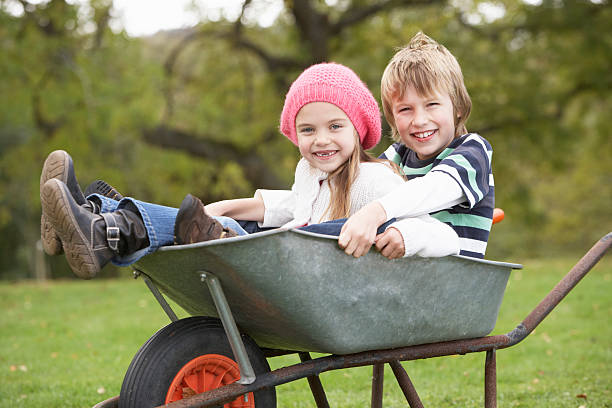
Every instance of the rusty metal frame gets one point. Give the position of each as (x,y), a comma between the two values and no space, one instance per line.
(490,344)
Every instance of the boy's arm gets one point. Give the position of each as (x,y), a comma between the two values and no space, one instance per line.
(468,166)
(432,192)
(247,209)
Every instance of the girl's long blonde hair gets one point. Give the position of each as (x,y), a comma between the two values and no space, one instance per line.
(341,180)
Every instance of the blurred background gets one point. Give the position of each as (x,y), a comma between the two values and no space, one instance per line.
(161,111)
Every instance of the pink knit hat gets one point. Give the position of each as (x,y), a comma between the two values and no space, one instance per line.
(337,84)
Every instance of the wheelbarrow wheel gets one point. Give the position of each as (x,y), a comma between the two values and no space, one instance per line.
(188,357)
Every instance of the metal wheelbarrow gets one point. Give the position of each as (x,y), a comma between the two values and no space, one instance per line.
(289,291)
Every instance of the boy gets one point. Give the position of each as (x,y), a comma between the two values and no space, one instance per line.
(449,170)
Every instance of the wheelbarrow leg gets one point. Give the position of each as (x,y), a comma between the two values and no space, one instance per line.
(247,374)
(490,380)
(406,385)
(315,385)
(157,294)
(378,377)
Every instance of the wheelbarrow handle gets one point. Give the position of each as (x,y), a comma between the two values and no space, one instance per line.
(562,288)
(498,215)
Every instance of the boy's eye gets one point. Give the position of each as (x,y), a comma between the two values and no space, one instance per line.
(433,104)
(404,109)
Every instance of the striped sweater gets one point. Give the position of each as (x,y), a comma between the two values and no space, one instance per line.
(467,160)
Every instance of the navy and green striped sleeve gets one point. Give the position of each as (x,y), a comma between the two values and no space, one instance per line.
(469,163)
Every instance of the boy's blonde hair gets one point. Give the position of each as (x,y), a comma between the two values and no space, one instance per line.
(427,66)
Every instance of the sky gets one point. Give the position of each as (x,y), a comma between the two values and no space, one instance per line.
(145,17)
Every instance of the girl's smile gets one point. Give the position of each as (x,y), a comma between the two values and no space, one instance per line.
(326,136)
(325,154)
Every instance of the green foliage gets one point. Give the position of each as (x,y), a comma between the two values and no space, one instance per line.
(538,76)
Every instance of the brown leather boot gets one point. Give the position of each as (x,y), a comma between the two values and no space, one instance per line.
(58,165)
(194,225)
(90,240)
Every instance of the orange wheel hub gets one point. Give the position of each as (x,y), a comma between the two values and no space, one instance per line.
(205,373)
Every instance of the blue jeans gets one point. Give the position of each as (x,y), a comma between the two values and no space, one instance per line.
(326,228)
(159,222)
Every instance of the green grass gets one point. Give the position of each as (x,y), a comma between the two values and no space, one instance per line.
(68,344)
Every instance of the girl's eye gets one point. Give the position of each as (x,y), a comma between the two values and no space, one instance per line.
(335,126)
(306,130)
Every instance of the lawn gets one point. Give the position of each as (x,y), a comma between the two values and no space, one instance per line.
(68,344)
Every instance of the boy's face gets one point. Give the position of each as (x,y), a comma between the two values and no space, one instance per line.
(326,136)
(426,124)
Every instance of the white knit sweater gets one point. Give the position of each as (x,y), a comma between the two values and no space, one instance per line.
(310,195)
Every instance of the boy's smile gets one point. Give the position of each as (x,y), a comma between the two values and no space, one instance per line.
(326,136)
(426,124)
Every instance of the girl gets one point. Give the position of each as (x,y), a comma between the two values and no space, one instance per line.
(329,114)
(332,117)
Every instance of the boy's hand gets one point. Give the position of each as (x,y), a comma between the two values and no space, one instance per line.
(359,232)
(391,243)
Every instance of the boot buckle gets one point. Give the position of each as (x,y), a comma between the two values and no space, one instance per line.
(112,237)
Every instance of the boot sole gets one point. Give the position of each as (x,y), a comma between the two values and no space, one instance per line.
(208,228)
(188,209)
(103,188)
(56,207)
(56,166)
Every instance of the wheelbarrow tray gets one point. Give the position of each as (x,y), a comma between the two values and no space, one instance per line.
(295,290)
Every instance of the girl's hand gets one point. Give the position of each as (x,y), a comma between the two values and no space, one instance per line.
(215,209)
(359,232)
(249,209)
(391,243)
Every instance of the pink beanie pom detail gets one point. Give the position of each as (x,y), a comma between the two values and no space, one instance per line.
(339,85)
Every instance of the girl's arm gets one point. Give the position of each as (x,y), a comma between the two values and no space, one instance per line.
(247,209)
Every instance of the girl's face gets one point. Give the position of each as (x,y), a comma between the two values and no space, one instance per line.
(426,124)
(326,136)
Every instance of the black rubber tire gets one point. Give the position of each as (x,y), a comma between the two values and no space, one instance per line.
(153,368)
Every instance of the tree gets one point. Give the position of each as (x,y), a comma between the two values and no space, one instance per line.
(197,110)
(317,28)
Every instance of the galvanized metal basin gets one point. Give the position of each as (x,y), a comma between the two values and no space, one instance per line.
(295,290)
